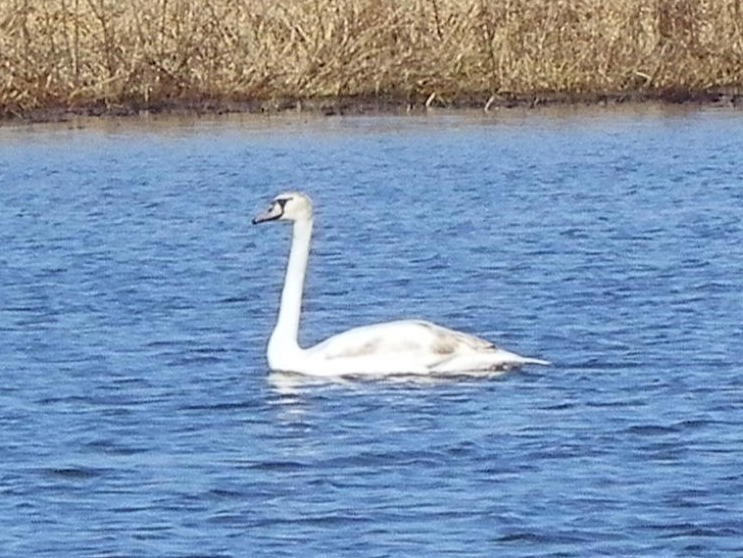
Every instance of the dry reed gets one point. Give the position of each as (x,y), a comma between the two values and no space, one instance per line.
(73,54)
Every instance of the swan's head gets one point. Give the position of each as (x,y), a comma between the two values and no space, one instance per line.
(289,206)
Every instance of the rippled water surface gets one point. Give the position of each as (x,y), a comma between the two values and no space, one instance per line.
(137,415)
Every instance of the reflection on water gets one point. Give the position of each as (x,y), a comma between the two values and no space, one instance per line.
(290,383)
(139,418)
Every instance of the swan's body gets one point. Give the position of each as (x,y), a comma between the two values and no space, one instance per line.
(404,347)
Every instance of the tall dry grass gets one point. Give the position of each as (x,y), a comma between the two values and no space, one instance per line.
(74,53)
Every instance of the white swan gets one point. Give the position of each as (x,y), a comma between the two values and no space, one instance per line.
(404,347)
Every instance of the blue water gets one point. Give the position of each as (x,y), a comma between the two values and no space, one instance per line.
(137,415)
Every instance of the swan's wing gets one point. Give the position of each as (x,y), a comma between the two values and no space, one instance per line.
(400,337)
(408,346)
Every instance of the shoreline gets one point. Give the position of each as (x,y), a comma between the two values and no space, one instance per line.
(369,105)
(63,59)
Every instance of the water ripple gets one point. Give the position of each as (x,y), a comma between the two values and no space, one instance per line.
(139,418)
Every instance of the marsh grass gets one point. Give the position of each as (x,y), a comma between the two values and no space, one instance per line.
(150,53)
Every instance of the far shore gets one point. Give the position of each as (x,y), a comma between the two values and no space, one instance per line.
(60,58)
(357,105)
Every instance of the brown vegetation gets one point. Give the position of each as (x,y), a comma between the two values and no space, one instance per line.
(135,54)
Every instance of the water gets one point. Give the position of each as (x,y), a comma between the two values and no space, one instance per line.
(137,416)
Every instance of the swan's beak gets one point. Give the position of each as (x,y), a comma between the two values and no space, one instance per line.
(273,213)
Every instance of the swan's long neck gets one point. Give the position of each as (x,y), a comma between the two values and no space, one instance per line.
(285,337)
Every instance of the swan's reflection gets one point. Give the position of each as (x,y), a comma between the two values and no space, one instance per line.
(291,385)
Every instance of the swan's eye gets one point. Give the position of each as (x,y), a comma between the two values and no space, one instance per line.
(282,202)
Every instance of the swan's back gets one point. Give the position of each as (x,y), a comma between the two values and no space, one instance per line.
(402,336)
(406,346)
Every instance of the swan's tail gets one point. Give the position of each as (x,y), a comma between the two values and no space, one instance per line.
(539,361)
(498,359)
(512,359)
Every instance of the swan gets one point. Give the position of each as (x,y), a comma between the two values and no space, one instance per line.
(397,347)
